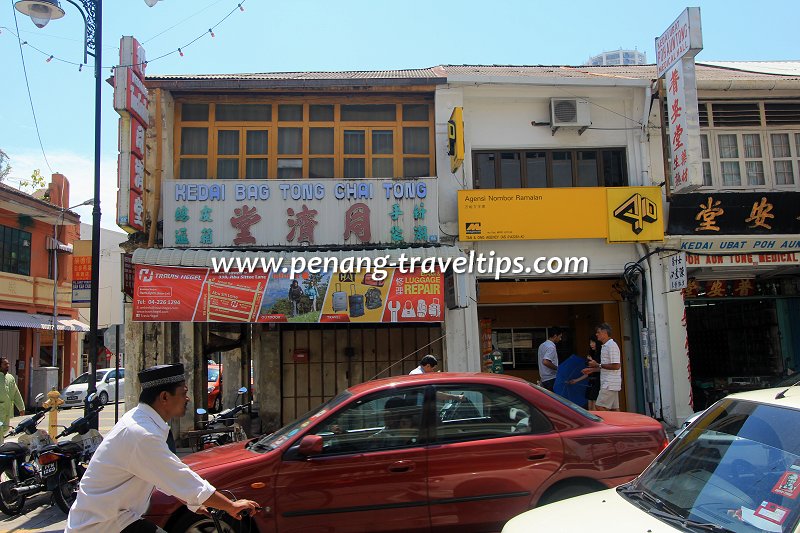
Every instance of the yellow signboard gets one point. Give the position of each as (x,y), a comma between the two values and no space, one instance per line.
(616,214)
(635,214)
(455,138)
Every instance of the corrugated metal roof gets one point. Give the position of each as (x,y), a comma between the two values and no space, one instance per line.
(785,68)
(704,72)
(18,319)
(202,258)
(423,73)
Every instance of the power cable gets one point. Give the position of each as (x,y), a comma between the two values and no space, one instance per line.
(179,50)
(30,97)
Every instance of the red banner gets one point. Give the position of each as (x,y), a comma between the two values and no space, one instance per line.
(176,294)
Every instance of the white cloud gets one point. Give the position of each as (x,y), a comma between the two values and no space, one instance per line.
(79,170)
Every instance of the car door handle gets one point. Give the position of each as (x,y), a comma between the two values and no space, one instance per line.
(401,466)
(538,453)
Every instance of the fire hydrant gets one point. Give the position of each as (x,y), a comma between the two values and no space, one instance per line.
(53,400)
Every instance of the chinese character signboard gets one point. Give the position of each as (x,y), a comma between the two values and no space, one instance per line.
(675,51)
(130,101)
(81,273)
(619,214)
(677,271)
(735,214)
(257,213)
(174,294)
(127,274)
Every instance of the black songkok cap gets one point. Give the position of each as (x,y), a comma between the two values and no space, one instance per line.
(155,376)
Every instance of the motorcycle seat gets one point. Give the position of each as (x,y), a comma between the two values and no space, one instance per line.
(13,448)
(66,447)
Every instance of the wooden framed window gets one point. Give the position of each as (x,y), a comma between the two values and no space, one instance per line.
(15,251)
(509,169)
(315,138)
(750,144)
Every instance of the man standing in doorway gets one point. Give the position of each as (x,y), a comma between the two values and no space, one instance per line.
(548,358)
(9,397)
(610,368)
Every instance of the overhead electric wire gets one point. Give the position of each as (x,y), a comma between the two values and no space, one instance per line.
(30,97)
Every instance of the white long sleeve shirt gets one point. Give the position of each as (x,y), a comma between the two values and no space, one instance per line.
(132,461)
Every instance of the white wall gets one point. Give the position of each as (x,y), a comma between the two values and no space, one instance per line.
(499,116)
(111,309)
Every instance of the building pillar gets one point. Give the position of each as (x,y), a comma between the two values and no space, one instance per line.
(134,357)
(267,366)
(660,322)
(462,336)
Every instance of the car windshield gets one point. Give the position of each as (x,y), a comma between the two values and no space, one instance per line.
(274,440)
(737,467)
(213,374)
(84,378)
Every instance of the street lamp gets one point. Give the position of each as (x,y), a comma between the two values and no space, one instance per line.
(42,12)
(56,244)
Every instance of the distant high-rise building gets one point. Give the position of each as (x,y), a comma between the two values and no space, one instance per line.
(618,57)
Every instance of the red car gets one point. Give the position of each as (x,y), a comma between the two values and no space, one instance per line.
(441,451)
(215,387)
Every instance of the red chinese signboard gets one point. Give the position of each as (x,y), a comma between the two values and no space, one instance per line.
(130,101)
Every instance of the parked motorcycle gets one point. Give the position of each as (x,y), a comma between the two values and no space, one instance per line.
(223,428)
(63,464)
(18,461)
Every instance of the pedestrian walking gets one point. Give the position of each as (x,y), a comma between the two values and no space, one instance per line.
(9,397)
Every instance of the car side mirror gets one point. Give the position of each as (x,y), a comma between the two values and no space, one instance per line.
(310,445)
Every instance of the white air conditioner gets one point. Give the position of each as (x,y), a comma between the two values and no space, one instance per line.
(569,113)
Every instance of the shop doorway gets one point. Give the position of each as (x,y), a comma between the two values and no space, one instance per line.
(740,344)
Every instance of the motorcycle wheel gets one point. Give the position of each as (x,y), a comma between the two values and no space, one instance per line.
(66,491)
(195,523)
(10,506)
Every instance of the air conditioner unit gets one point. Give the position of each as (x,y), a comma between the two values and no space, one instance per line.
(569,113)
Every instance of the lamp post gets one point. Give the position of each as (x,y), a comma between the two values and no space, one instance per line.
(56,244)
(42,12)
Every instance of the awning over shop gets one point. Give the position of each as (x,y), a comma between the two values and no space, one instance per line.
(17,319)
(202,258)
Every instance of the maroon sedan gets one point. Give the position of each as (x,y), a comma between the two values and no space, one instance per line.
(441,451)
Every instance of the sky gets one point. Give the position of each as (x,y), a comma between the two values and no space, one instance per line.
(301,35)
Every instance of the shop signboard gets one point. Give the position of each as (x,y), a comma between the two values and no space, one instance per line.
(617,214)
(455,138)
(675,52)
(677,271)
(176,294)
(735,213)
(743,260)
(260,213)
(130,101)
(81,273)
